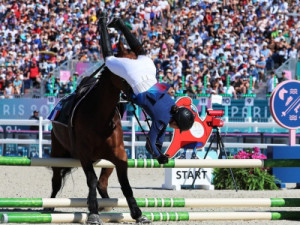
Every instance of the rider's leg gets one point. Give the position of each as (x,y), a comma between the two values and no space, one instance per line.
(105,39)
(132,41)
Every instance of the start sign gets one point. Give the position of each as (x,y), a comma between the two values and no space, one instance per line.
(177,178)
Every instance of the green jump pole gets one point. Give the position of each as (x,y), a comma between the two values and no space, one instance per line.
(149,202)
(153,216)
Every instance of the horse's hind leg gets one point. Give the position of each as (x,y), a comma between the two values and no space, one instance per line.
(135,212)
(103,182)
(102,186)
(92,182)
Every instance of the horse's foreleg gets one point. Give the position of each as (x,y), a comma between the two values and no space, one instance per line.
(102,186)
(92,202)
(135,211)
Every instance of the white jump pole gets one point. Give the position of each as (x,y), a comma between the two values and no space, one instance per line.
(153,216)
(151,163)
(150,202)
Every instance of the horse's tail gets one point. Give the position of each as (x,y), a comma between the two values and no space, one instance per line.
(64,173)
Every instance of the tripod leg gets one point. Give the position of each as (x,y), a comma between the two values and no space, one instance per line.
(222,149)
(207,150)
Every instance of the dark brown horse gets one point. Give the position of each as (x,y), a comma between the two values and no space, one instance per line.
(96,134)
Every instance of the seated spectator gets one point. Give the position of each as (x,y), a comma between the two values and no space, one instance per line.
(171,92)
(261,65)
(34,75)
(57,86)
(169,77)
(9,91)
(230,90)
(283,77)
(190,89)
(17,84)
(208,89)
(179,87)
(63,90)
(2,87)
(252,71)
(49,85)
(246,81)
(238,85)
(70,85)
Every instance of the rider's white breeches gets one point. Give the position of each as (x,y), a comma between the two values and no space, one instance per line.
(139,73)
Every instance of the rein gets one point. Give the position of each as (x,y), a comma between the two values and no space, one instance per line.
(142,129)
(137,119)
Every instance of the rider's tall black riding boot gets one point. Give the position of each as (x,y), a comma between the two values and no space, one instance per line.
(134,43)
(105,39)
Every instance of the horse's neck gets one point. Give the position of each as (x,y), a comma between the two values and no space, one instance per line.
(106,96)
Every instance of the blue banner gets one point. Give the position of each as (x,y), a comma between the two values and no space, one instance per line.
(22,108)
(237,109)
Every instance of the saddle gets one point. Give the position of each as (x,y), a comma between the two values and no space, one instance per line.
(64,110)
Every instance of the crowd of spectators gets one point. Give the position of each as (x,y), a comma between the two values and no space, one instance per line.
(201,46)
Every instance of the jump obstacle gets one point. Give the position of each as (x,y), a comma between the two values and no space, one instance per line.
(153,163)
(37,217)
(12,217)
(150,202)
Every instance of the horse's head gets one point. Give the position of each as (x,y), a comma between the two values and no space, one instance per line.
(125,53)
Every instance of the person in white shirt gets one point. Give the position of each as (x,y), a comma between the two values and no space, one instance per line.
(272,82)
(254,52)
(293,52)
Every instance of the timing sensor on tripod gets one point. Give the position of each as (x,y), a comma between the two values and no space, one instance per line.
(215,121)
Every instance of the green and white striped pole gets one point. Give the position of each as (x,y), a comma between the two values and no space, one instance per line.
(150,202)
(153,163)
(153,216)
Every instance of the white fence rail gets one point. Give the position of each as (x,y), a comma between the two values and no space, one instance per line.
(44,124)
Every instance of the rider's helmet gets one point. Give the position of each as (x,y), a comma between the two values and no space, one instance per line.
(184,118)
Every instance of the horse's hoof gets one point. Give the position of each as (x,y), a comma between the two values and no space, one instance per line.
(48,210)
(94,219)
(105,209)
(143,220)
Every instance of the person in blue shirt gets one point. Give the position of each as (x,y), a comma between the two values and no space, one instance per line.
(152,96)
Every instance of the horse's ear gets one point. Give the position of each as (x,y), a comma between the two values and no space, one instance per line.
(124,52)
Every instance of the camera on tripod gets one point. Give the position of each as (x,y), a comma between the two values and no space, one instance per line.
(215,121)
